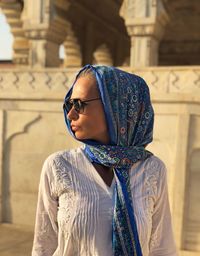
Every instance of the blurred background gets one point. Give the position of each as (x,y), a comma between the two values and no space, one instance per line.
(42,45)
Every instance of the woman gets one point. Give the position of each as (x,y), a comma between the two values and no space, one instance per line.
(108,197)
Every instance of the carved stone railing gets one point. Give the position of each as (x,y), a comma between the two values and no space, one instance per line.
(34,84)
(172,83)
(166,83)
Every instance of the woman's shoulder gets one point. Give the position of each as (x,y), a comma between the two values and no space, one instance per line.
(155,163)
(62,156)
(155,167)
(61,161)
(150,174)
(58,168)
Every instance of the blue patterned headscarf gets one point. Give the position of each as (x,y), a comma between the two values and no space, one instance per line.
(129,115)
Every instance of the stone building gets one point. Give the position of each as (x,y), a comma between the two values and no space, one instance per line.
(156,39)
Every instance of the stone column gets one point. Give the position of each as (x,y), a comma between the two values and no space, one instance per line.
(145,21)
(12,10)
(73,57)
(46,31)
(102,56)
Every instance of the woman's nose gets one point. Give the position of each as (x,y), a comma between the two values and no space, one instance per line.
(72,115)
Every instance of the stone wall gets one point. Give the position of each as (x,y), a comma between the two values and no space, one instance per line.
(32,127)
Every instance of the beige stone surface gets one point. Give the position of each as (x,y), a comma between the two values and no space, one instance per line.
(33,137)
(15,240)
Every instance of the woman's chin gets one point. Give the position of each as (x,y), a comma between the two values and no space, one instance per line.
(80,136)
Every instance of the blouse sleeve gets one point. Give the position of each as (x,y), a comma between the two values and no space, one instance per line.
(162,240)
(46,229)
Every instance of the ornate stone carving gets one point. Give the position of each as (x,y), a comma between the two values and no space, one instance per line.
(46,29)
(145,22)
(34,84)
(73,57)
(171,80)
(127,9)
(12,10)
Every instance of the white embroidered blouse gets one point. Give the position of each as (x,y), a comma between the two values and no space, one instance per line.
(75,206)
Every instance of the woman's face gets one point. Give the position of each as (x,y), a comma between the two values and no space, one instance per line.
(91,124)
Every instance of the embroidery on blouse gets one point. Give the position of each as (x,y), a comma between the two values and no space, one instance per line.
(152,179)
(151,190)
(65,193)
(45,231)
(62,175)
(153,240)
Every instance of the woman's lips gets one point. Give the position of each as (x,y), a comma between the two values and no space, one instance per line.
(74,128)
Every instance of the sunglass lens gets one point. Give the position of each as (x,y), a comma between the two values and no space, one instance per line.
(68,105)
(77,104)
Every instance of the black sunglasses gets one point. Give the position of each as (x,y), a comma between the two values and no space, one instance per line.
(77,104)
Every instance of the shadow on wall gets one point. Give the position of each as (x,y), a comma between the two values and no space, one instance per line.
(28,144)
